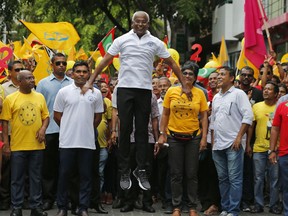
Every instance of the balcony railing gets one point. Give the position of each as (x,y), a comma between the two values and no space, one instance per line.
(275,8)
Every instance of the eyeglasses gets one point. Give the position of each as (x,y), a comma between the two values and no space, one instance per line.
(185,73)
(268,73)
(18,69)
(246,75)
(58,63)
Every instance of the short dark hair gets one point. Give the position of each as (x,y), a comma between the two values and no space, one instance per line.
(277,79)
(191,66)
(11,64)
(57,55)
(247,68)
(283,85)
(229,69)
(276,88)
(80,63)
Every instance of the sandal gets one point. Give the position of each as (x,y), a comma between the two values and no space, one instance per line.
(193,212)
(176,212)
(212,210)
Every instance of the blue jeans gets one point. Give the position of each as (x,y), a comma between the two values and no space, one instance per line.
(260,162)
(20,161)
(103,156)
(229,166)
(283,164)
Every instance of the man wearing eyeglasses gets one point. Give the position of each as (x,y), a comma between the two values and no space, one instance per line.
(255,95)
(9,87)
(49,87)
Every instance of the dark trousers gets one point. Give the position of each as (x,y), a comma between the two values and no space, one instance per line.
(50,167)
(248,181)
(183,162)
(133,102)
(208,189)
(20,161)
(131,195)
(95,194)
(5,183)
(164,177)
(75,158)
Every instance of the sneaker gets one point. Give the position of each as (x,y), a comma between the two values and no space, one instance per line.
(223,213)
(142,178)
(245,207)
(125,181)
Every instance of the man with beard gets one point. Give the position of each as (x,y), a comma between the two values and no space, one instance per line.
(255,95)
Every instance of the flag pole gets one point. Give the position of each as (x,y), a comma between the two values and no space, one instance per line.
(89,59)
(265,25)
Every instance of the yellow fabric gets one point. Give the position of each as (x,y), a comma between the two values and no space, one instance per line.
(2,95)
(243,61)
(223,53)
(25,113)
(103,126)
(59,36)
(184,113)
(263,115)
(43,68)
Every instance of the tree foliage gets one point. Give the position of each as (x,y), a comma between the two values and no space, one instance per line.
(93,19)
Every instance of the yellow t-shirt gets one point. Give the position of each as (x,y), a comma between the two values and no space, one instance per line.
(1,92)
(184,113)
(103,126)
(25,113)
(263,115)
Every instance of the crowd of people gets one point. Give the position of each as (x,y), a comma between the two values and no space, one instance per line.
(82,142)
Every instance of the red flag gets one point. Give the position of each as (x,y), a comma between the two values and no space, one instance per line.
(106,42)
(255,49)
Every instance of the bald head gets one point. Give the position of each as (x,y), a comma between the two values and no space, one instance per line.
(22,74)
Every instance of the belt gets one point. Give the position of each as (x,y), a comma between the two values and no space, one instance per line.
(183,137)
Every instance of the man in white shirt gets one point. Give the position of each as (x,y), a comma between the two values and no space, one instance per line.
(79,116)
(137,50)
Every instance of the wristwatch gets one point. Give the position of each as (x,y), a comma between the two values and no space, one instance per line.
(161,133)
(270,151)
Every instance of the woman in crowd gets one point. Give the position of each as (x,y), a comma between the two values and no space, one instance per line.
(180,128)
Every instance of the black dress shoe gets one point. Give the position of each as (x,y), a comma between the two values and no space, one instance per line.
(61,212)
(4,206)
(38,212)
(256,209)
(83,213)
(127,208)
(148,208)
(47,206)
(118,203)
(16,212)
(74,211)
(275,210)
(99,209)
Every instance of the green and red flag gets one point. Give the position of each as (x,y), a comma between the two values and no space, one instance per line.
(107,41)
(203,75)
(166,41)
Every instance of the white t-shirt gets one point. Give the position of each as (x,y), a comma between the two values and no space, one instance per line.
(136,58)
(76,128)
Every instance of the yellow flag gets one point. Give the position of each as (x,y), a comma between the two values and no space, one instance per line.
(59,36)
(17,48)
(95,55)
(43,68)
(72,54)
(3,45)
(223,57)
(243,61)
(214,58)
(81,55)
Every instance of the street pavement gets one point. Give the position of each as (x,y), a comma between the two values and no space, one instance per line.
(116,212)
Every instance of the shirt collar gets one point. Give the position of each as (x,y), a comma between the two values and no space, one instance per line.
(229,90)
(10,83)
(52,77)
(133,33)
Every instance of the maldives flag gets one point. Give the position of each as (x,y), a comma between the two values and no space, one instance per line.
(204,74)
(254,49)
(107,41)
(166,41)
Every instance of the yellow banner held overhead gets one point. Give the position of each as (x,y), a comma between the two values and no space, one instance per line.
(59,36)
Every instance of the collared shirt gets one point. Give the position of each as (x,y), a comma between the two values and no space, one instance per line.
(160,106)
(229,111)
(49,87)
(9,88)
(77,128)
(136,58)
